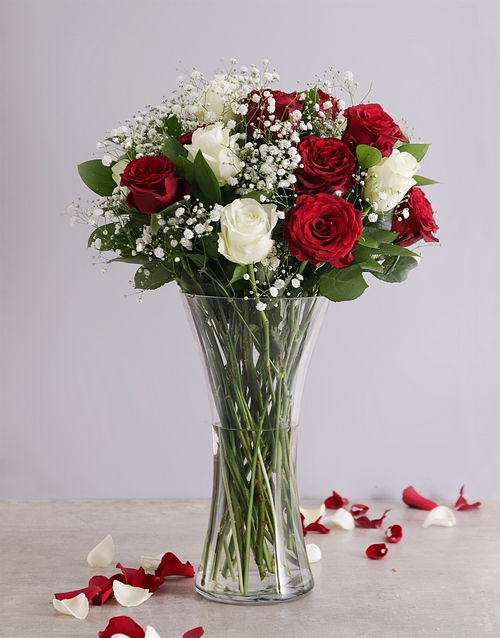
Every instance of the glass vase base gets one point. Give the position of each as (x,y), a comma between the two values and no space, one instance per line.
(259,592)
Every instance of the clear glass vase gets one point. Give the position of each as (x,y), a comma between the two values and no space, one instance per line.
(256,359)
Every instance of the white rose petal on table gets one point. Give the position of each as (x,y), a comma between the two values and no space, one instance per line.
(130,596)
(102,554)
(77,606)
(341,518)
(440,515)
(313,553)
(311,516)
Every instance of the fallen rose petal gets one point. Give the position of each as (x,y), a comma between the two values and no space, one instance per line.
(102,554)
(413,499)
(89,592)
(316,527)
(313,553)
(342,518)
(77,606)
(139,578)
(440,515)
(312,515)
(130,596)
(394,533)
(124,626)
(358,509)
(105,589)
(462,504)
(377,551)
(376,523)
(170,565)
(197,632)
(335,501)
(150,563)
(151,632)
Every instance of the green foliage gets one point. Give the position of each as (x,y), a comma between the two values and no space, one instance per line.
(172,148)
(417,150)
(396,269)
(173,127)
(368,156)
(343,284)
(206,180)
(185,168)
(424,181)
(97,177)
(153,275)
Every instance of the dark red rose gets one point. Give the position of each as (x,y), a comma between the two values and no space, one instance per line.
(328,166)
(258,112)
(324,97)
(186,138)
(370,124)
(322,228)
(152,183)
(413,219)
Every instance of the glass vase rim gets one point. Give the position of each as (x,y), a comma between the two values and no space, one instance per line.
(193,295)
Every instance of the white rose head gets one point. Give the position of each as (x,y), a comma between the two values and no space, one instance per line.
(219,149)
(246,229)
(388,182)
(215,100)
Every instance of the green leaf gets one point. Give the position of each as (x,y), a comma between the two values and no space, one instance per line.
(368,155)
(209,244)
(152,275)
(367,241)
(173,126)
(199,260)
(424,181)
(343,284)
(103,233)
(172,148)
(417,150)
(97,177)
(206,180)
(379,235)
(239,271)
(155,226)
(394,250)
(372,265)
(132,259)
(185,168)
(255,195)
(396,269)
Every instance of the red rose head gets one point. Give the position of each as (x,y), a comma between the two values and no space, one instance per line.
(278,104)
(369,124)
(327,166)
(322,228)
(152,183)
(413,219)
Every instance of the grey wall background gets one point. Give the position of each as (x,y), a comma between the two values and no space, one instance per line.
(103,397)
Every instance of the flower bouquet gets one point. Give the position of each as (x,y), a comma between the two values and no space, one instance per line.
(261,205)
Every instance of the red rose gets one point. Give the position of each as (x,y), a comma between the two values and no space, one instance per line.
(328,166)
(370,124)
(413,219)
(258,111)
(322,228)
(152,183)
(324,97)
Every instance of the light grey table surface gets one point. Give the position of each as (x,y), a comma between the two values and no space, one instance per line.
(435,582)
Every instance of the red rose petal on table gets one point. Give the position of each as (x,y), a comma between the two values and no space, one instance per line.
(316,527)
(89,592)
(122,625)
(376,551)
(170,565)
(376,523)
(335,501)
(194,633)
(462,504)
(394,533)
(358,509)
(139,578)
(413,499)
(105,587)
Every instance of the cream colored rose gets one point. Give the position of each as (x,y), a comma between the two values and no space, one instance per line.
(246,228)
(215,102)
(116,173)
(388,182)
(219,149)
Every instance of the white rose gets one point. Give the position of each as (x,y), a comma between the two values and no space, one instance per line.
(219,149)
(388,182)
(246,228)
(116,173)
(215,100)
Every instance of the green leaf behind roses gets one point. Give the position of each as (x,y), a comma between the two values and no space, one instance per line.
(343,284)
(206,180)
(172,148)
(396,269)
(184,168)
(417,150)
(239,271)
(424,181)
(97,177)
(152,276)
(379,235)
(173,126)
(368,156)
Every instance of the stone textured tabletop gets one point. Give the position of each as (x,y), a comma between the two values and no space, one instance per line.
(436,582)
